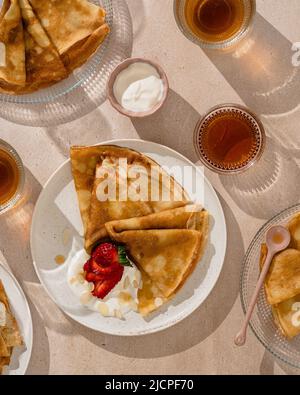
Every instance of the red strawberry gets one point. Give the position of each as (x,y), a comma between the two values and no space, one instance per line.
(103,288)
(106,270)
(105,254)
(87,266)
(92,277)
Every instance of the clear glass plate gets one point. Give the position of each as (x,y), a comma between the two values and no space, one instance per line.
(262,322)
(82,91)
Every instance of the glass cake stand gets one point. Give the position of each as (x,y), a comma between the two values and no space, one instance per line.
(262,322)
(85,88)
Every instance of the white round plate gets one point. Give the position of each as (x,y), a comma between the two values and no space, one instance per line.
(57,228)
(19,306)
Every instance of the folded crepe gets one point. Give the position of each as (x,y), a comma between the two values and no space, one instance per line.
(44,66)
(283,283)
(76,28)
(10,336)
(12,47)
(283,279)
(166,247)
(89,165)
(287,316)
(294,228)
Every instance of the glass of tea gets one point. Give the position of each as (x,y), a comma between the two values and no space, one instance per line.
(215,24)
(12,177)
(229,139)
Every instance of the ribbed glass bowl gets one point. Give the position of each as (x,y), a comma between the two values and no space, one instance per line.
(262,322)
(85,88)
(75,79)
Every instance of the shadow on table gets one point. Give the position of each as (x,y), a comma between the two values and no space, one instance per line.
(194,329)
(173,125)
(15,246)
(95,128)
(260,70)
(269,187)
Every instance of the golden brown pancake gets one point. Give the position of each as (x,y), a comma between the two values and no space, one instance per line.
(103,210)
(283,279)
(294,228)
(287,316)
(10,336)
(76,28)
(96,213)
(286,312)
(166,247)
(12,47)
(44,66)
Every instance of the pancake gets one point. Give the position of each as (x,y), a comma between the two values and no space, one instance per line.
(287,312)
(76,28)
(12,48)
(294,228)
(10,336)
(95,213)
(287,316)
(44,66)
(104,210)
(166,247)
(10,332)
(283,279)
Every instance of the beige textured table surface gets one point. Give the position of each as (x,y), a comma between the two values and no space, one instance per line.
(260,76)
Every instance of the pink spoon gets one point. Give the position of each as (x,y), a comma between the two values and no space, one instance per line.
(278,239)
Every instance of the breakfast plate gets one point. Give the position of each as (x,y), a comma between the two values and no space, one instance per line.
(56,237)
(262,322)
(20,309)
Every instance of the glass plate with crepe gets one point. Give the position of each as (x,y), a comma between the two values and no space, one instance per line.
(276,318)
(44,52)
(15,326)
(178,252)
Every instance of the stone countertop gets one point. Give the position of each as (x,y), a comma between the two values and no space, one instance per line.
(259,75)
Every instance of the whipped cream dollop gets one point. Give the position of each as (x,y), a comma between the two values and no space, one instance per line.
(122,299)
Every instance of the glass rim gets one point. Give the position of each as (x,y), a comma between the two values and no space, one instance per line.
(223,44)
(18,194)
(251,162)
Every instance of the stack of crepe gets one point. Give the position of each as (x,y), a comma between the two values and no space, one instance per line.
(165,239)
(9,331)
(42,41)
(282,285)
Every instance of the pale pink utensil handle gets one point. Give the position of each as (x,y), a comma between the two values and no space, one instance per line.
(240,338)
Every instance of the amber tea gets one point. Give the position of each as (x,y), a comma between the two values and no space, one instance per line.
(229,139)
(9,177)
(215,20)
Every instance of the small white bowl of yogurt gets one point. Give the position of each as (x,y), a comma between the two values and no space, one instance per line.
(137,87)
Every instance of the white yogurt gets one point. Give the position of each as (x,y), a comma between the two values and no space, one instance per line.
(120,301)
(139,87)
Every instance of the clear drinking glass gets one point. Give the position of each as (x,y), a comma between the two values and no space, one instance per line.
(249,7)
(257,135)
(15,158)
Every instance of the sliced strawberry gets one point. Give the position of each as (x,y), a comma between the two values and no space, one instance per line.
(99,269)
(92,277)
(105,254)
(103,288)
(87,266)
